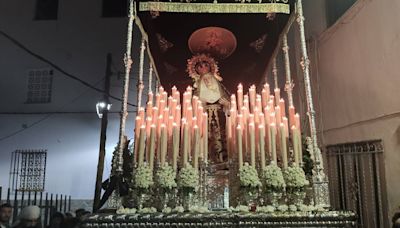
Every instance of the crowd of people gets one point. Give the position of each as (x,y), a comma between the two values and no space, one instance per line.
(30,217)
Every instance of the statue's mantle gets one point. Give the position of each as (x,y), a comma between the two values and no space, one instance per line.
(224,219)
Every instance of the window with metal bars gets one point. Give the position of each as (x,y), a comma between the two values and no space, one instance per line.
(40,83)
(357,181)
(28,170)
(46,10)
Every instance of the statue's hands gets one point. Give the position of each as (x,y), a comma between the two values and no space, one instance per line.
(225,103)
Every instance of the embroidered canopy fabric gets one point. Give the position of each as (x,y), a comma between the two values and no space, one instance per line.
(242,43)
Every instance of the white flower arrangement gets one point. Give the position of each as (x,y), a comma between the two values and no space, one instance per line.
(166,210)
(122,210)
(283,208)
(143,177)
(295,177)
(166,177)
(319,208)
(147,210)
(188,177)
(305,208)
(198,209)
(178,209)
(239,208)
(248,176)
(272,178)
(265,209)
(292,207)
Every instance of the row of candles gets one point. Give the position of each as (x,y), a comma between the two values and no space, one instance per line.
(257,126)
(169,128)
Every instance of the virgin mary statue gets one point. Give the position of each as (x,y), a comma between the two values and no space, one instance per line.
(203,69)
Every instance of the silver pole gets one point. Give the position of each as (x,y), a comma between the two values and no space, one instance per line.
(157,85)
(289,83)
(320,181)
(150,77)
(118,162)
(140,84)
(275,73)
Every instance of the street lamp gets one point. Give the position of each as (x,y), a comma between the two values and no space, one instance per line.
(101,106)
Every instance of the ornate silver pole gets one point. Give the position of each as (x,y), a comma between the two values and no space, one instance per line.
(124,113)
(320,181)
(157,85)
(275,73)
(289,83)
(150,77)
(117,161)
(140,84)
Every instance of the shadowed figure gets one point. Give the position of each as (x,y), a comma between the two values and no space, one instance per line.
(119,180)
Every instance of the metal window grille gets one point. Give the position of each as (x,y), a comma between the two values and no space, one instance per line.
(115,8)
(28,170)
(40,82)
(46,10)
(357,181)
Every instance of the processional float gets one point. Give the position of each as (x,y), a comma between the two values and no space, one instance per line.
(250,141)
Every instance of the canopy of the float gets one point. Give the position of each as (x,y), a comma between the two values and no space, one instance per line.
(241,36)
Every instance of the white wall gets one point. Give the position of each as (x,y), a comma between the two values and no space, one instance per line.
(358,74)
(72,141)
(78,42)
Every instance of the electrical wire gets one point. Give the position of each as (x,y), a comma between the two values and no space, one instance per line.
(50,114)
(23,47)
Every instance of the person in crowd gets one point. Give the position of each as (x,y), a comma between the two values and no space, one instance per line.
(56,220)
(396,220)
(70,223)
(69,214)
(80,213)
(5,215)
(29,218)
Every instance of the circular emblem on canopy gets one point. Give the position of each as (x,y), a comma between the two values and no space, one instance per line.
(215,41)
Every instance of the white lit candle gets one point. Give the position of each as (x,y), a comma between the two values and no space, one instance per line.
(152,146)
(149,109)
(252,144)
(164,143)
(138,123)
(196,147)
(150,97)
(261,131)
(158,99)
(283,146)
(295,146)
(239,145)
(282,107)
(273,142)
(185,143)
(155,115)
(291,116)
(205,137)
(240,96)
(277,92)
(297,121)
(252,97)
(142,138)
(175,149)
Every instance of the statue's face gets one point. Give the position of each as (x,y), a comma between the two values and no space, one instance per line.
(202,68)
